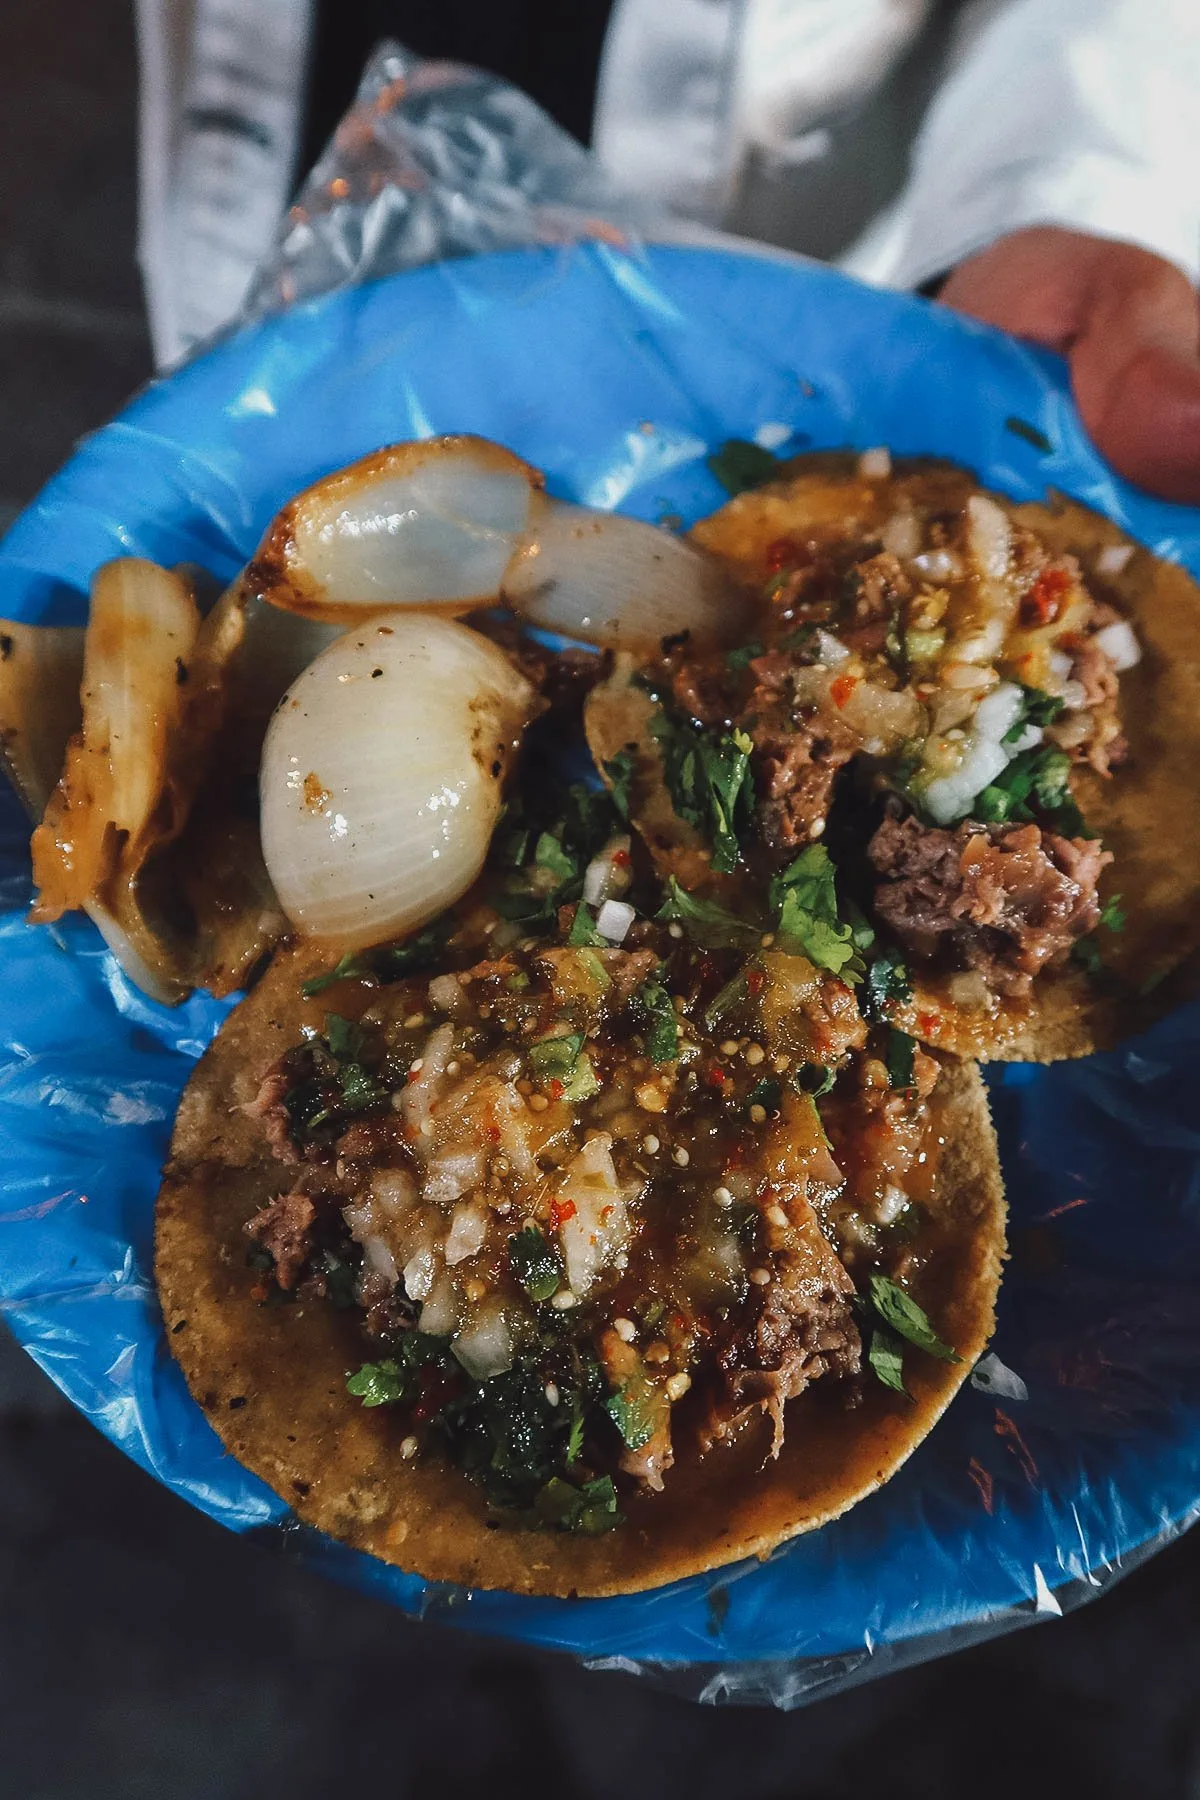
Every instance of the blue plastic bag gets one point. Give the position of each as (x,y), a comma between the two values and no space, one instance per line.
(618,373)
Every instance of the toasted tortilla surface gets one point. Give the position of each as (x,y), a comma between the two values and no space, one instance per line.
(271,1378)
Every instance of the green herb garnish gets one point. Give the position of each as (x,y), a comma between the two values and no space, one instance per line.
(588,1509)
(583,931)
(632,1410)
(390,963)
(814,1080)
(662,1033)
(620,772)
(900,1312)
(739,465)
(535,1263)
(709,782)
(767,1093)
(738,660)
(706,923)
(900,1057)
(886,1357)
(1037,708)
(804,897)
(554,1058)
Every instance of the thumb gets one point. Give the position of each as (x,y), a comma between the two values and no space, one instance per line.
(1135,371)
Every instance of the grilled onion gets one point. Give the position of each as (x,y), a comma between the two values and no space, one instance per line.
(382,774)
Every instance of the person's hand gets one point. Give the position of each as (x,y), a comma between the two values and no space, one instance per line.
(1129,325)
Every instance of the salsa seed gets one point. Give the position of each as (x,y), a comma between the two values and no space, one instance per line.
(474,1289)
(657,1352)
(678,1386)
(722,1196)
(340,1168)
(485,1012)
(758,1114)
(426,1127)
(524,1087)
(650,1144)
(564,1300)
(414,1068)
(413,1020)
(538,1103)
(675,930)
(777,1216)
(621,1261)
(681,1157)
(768,940)
(729,1047)
(452,1068)
(625,1329)
(780,1063)
(754,1054)
(760,1277)
(408,1448)
(552,1393)
(651,1098)
(818,830)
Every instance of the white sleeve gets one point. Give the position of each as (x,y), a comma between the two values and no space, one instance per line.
(1081,113)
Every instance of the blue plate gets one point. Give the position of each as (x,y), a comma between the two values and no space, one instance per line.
(618,374)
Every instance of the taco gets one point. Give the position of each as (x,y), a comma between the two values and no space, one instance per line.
(615,1249)
(983,712)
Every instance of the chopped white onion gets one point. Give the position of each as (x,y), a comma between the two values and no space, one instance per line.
(382,774)
(447,995)
(902,534)
(484,1348)
(1031,736)
(985,755)
(614,919)
(891,1203)
(439,1314)
(468,1228)
(999,711)
(1073,696)
(597,1229)
(1119,643)
(617,581)
(938,565)
(875,465)
(830,650)
(1060,665)
(420,1273)
(604,877)
(1113,559)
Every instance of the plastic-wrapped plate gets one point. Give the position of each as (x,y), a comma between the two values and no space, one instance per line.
(618,375)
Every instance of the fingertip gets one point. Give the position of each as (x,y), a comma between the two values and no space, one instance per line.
(1144,417)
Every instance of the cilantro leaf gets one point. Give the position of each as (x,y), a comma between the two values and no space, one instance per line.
(886,1357)
(620,772)
(900,1311)
(709,783)
(583,933)
(1038,780)
(588,1509)
(535,1263)
(742,657)
(632,1410)
(343,1036)
(813,1080)
(549,855)
(377,1384)
(662,1036)
(1112,914)
(707,923)
(554,1058)
(901,1054)
(887,984)
(805,897)
(739,465)
(1037,708)
(389,963)
(766,1093)
(735,990)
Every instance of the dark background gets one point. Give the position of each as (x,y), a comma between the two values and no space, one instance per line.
(146,1653)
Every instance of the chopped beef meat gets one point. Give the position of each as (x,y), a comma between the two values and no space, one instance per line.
(1095,674)
(1007,900)
(883,584)
(268,1105)
(798,1327)
(797,765)
(699,691)
(284,1229)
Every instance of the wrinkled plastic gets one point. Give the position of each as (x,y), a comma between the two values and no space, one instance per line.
(618,371)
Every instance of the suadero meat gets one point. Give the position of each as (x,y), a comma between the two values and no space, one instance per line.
(1008,900)
(797,759)
(268,1105)
(284,1229)
(802,1327)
